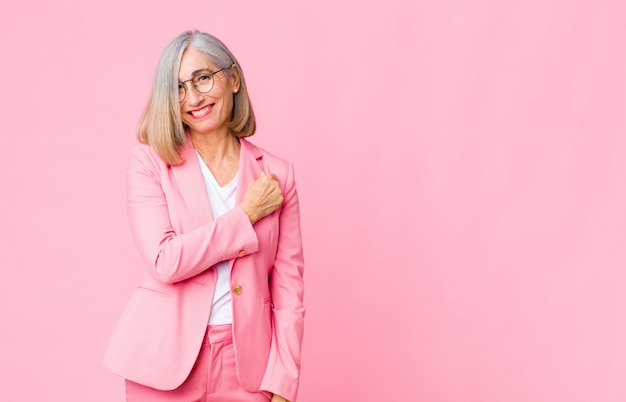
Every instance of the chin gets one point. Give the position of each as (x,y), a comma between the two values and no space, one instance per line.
(204,129)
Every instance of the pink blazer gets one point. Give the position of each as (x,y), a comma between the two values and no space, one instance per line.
(159,335)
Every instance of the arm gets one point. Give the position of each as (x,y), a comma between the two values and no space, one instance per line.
(171,256)
(287,289)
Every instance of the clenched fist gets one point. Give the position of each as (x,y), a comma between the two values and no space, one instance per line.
(263,197)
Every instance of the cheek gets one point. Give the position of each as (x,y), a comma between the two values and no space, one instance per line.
(225,99)
(228,106)
(185,118)
(228,103)
(183,115)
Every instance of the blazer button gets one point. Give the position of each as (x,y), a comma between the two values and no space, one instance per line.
(242,253)
(237,289)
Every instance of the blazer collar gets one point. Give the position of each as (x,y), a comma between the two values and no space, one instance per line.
(191,183)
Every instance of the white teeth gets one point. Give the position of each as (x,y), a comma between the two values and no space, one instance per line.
(201,112)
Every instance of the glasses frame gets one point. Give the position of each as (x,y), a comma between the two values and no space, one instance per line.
(211,75)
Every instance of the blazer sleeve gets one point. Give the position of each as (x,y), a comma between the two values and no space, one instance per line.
(287,290)
(172,257)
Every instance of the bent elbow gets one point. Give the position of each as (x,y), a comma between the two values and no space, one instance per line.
(165,270)
(164,277)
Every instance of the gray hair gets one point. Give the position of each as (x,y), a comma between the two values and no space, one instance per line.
(161,125)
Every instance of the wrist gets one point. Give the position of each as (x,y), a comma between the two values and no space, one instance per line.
(251,215)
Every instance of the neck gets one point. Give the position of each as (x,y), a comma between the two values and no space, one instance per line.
(216,147)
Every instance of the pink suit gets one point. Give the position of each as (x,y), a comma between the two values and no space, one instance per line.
(159,335)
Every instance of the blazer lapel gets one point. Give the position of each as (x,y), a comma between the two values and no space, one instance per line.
(191,185)
(250,167)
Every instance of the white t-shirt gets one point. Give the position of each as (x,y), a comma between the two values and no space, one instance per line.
(222,200)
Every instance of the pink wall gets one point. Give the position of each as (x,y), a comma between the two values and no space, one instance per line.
(461,166)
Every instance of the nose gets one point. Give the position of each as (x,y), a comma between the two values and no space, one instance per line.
(194,97)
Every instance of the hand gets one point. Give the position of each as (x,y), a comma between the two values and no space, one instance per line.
(278,398)
(263,197)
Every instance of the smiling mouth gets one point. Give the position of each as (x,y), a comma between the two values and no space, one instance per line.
(201,112)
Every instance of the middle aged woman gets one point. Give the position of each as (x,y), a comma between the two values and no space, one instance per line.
(218,315)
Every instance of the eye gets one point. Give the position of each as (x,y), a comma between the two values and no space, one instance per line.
(180,86)
(203,77)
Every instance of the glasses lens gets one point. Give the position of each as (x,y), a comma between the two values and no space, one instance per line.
(181,92)
(203,83)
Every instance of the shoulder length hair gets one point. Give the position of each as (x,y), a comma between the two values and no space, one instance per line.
(160,124)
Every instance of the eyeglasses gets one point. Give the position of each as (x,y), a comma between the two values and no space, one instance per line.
(202,81)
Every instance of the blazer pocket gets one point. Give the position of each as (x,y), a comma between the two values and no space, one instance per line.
(155,291)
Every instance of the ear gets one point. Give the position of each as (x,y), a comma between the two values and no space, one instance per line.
(235,79)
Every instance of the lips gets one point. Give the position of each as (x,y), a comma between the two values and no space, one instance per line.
(201,112)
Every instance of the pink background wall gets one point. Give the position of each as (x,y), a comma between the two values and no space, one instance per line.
(461,166)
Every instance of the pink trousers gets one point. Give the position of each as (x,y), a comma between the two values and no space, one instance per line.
(213,377)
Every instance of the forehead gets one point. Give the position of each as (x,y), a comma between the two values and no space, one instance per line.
(192,61)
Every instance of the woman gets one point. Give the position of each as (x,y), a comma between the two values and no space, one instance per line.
(218,316)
